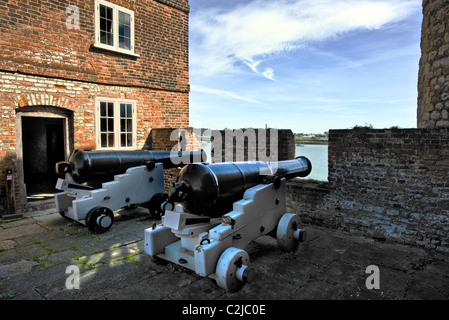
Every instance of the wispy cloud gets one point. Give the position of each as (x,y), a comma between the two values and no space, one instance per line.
(268,73)
(222,93)
(255,30)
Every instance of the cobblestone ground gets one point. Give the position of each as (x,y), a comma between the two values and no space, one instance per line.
(36,250)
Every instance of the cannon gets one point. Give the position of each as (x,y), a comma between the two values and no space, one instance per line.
(214,211)
(99,166)
(212,189)
(100,182)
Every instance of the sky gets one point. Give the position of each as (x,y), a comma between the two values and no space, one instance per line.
(304,65)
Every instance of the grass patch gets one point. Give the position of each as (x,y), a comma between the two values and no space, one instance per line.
(128,257)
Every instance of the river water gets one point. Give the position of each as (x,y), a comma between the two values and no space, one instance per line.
(317,154)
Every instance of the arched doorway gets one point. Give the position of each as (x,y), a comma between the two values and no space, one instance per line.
(46,137)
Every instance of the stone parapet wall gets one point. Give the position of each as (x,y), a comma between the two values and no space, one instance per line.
(385,184)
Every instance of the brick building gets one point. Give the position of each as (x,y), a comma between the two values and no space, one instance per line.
(83,74)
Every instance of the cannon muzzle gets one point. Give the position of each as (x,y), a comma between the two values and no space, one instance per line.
(93,165)
(211,190)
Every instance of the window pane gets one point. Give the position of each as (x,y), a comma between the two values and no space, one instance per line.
(110,109)
(124,31)
(127,44)
(124,18)
(106,25)
(116,124)
(103,25)
(110,124)
(124,25)
(102,11)
(109,13)
(127,32)
(124,43)
(110,140)
(103,36)
(106,35)
(109,26)
(103,109)
(103,127)
(104,142)
(110,39)
(106,38)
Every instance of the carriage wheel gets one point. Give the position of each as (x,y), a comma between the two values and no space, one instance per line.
(99,219)
(233,269)
(288,234)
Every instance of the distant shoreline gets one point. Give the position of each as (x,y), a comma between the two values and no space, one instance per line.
(319,139)
(297,141)
(321,143)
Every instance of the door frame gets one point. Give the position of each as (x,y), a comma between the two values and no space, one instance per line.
(41,112)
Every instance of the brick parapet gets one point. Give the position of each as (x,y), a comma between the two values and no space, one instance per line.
(170,139)
(252,144)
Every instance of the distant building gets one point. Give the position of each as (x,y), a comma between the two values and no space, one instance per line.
(85,75)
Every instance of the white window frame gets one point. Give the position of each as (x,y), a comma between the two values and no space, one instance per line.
(117,144)
(115,28)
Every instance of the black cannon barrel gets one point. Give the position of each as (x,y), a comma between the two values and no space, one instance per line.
(88,165)
(212,189)
(299,167)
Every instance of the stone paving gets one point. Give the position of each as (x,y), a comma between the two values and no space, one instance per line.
(36,250)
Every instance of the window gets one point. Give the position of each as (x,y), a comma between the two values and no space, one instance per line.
(116,123)
(114,27)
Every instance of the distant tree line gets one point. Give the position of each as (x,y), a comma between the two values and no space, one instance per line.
(302,138)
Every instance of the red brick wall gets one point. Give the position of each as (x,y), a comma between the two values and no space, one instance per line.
(34,39)
(43,63)
(155,109)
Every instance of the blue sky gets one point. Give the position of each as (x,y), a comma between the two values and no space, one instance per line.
(304,65)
